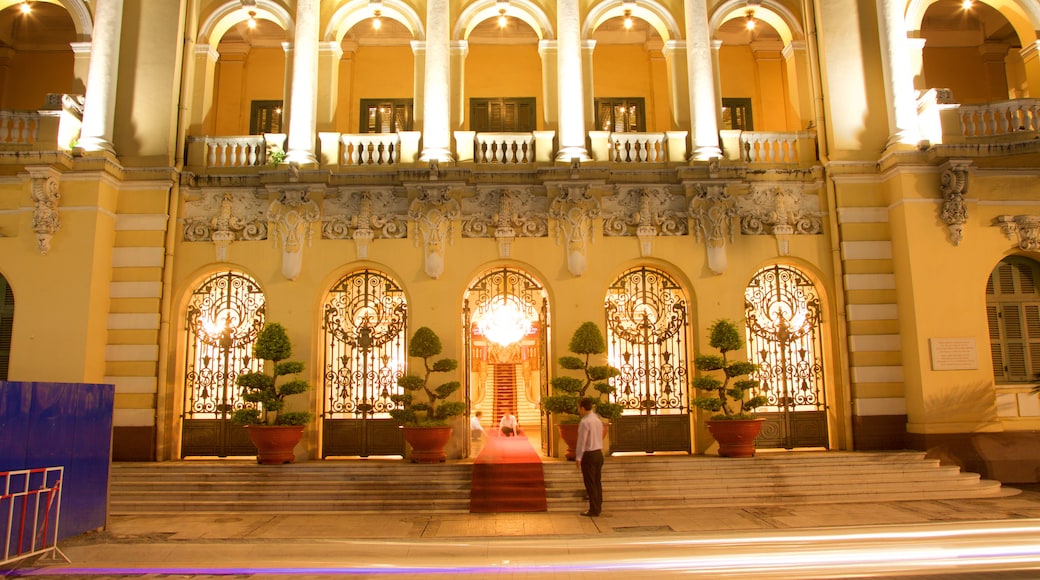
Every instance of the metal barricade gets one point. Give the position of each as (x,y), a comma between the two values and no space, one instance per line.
(31,502)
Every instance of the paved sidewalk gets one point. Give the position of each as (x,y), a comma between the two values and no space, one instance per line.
(212,545)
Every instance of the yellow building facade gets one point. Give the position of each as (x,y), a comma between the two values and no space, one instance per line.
(854,182)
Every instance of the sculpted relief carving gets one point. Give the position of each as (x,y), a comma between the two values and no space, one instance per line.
(505,214)
(645,212)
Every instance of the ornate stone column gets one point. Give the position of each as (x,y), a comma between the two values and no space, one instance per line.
(99,108)
(436,132)
(701,82)
(303,106)
(900,96)
(570,93)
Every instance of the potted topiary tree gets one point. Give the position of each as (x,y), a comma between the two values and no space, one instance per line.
(424,413)
(734,424)
(273,431)
(567,391)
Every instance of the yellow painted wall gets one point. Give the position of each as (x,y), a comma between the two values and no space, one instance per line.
(622,71)
(260,76)
(32,75)
(960,69)
(363,76)
(503,71)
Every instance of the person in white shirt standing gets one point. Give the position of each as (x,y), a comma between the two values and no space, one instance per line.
(476,430)
(588,454)
(508,425)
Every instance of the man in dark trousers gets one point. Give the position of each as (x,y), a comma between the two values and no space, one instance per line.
(589,455)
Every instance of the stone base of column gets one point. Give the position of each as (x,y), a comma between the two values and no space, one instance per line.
(90,144)
(706,153)
(301,157)
(569,154)
(438,154)
(904,140)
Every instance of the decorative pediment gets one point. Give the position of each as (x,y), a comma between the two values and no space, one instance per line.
(45,219)
(714,213)
(224,217)
(434,211)
(364,215)
(1026,228)
(574,210)
(953,185)
(506,214)
(781,212)
(644,212)
(291,217)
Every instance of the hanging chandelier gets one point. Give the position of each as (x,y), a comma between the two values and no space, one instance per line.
(503,321)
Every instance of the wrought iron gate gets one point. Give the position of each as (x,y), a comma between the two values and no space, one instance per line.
(782,310)
(646,340)
(224,316)
(365,326)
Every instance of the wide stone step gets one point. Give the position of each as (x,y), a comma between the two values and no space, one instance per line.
(630,482)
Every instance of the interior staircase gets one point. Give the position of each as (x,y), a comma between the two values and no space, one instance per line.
(629,482)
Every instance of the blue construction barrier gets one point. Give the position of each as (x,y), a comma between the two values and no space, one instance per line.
(62,424)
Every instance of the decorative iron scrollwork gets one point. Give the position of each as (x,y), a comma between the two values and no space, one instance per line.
(646,335)
(364,319)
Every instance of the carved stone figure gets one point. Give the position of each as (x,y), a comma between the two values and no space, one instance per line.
(953,185)
(645,212)
(45,220)
(780,211)
(290,217)
(433,212)
(713,213)
(573,211)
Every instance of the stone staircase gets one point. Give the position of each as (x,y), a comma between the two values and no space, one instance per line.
(630,482)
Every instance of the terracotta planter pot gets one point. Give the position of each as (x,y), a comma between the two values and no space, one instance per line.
(569,434)
(428,443)
(275,443)
(736,437)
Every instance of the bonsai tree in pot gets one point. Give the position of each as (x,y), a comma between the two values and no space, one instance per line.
(273,431)
(734,424)
(424,411)
(567,390)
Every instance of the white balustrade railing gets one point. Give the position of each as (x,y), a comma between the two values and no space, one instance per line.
(768,147)
(637,148)
(1000,118)
(19,127)
(505,148)
(370,148)
(249,151)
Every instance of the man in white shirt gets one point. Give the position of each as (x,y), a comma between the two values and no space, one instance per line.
(588,454)
(476,430)
(508,425)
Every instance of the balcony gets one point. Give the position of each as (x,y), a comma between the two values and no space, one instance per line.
(1002,122)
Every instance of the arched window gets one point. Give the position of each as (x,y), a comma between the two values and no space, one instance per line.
(6,324)
(782,317)
(225,314)
(1013,313)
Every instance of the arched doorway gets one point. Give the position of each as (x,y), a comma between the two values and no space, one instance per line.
(365,324)
(782,314)
(225,314)
(506,317)
(646,339)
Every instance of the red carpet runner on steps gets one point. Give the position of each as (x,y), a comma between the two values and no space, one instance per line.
(507,477)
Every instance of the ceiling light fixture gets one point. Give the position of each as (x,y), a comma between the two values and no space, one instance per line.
(750,20)
(502,21)
(966,4)
(251,23)
(628,20)
(377,23)
(26,7)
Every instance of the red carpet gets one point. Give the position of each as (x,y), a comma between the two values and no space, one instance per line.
(507,477)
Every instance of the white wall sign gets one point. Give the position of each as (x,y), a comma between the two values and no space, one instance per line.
(954,354)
